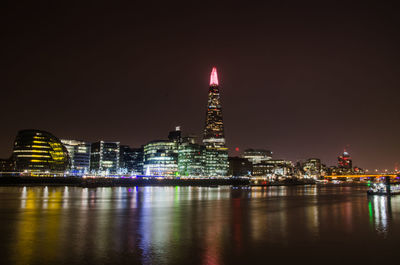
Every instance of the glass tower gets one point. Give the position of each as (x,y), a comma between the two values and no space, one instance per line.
(216,153)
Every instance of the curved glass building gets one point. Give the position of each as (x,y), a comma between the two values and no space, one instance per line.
(39,151)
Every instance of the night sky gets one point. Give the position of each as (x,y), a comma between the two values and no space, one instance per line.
(303,79)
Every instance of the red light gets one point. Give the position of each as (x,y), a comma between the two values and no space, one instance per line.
(237,149)
(214,77)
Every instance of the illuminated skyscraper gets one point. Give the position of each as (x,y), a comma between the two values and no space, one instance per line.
(344,161)
(214,127)
(216,153)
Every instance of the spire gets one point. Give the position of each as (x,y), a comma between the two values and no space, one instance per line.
(214,77)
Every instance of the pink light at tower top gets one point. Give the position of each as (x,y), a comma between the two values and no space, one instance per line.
(214,77)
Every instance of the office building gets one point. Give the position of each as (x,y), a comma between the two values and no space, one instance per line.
(273,167)
(312,167)
(131,160)
(239,167)
(79,154)
(104,158)
(137,154)
(175,136)
(256,156)
(191,159)
(160,158)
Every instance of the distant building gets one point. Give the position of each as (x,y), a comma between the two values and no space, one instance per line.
(131,160)
(104,158)
(191,159)
(239,167)
(7,165)
(257,156)
(175,136)
(344,162)
(263,169)
(39,151)
(161,158)
(79,154)
(273,167)
(216,162)
(126,159)
(138,157)
(216,153)
(312,167)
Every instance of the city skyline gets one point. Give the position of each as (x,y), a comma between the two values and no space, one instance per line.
(302,81)
(233,151)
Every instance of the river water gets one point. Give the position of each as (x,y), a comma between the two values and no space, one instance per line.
(197,225)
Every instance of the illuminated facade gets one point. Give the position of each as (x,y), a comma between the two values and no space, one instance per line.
(216,162)
(256,156)
(39,151)
(273,167)
(191,159)
(216,153)
(104,158)
(161,158)
(312,167)
(345,162)
(79,154)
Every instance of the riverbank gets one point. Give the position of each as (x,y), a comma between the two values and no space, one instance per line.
(116,182)
(288,182)
(127,182)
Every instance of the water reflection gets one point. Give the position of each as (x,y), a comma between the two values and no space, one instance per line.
(380,213)
(171,225)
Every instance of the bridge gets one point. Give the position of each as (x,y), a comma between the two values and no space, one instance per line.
(363,176)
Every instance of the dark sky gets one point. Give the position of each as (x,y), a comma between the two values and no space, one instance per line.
(302,78)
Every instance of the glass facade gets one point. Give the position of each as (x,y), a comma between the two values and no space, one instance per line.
(161,158)
(216,153)
(79,153)
(104,158)
(191,159)
(216,162)
(239,167)
(257,156)
(275,167)
(39,151)
(131,160)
